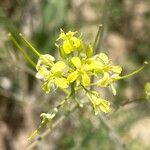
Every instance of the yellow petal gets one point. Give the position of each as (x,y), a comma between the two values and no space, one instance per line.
(62,53)
(70,34)
(99,103)
(67,47)
(73,76)
(76,42)
(58,66)
(61,82)
(85,79)
(116,69)
(92,99)
(96,65)
(113,90)
(62,35)
(65,36)
(76,62)
(47,86)
(105,106)
(105,81)
(42,73)
(96,109)
(104,58)
(45,60)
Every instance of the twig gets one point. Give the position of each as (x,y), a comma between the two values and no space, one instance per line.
(54,125)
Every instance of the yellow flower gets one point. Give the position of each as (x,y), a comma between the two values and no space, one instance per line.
(107,67)
(105,81)
(45,60)
(42,73)
(58,67)
(98,103)
(64,36)
(104,58)
(102,68)
(68,47)
(108,80)
(70,42)
(54,81)
(96,66)
(77,66)
(51,73)
(44,65)
(99,63)
(116,69)
(80,73)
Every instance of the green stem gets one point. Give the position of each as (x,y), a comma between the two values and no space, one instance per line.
(131,74)
(73,95)
(54,125)
(34,133)
(22,50)
(93,84)
(78,102)
(28,43)
(53,113)
(86,90)
(65,91)
(97,36)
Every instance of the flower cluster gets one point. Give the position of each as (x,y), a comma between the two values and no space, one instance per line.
(74,71)
(77,66)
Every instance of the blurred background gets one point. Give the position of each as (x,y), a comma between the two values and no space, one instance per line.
(125,37)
